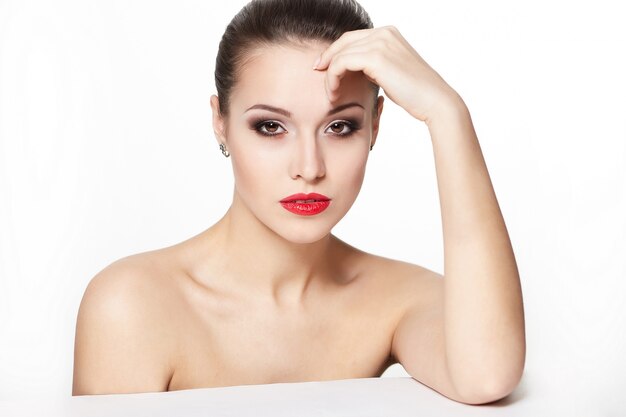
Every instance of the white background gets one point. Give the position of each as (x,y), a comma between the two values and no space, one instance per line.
(107,149)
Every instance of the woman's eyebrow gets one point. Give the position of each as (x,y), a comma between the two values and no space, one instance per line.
(288,114)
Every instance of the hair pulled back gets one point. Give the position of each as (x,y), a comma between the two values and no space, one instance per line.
(267,22)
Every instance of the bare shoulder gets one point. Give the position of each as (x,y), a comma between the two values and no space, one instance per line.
(120,341)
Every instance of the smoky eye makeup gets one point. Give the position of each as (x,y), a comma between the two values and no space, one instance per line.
(266,127)
(347,127)
(341,128)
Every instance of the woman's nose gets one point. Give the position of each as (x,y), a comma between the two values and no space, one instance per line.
(308,161)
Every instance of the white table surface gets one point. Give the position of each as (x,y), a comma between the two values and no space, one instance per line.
(387,396)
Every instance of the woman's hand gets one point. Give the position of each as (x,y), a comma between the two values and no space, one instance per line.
(388,60)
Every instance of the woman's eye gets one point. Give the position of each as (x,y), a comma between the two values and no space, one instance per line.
(268,128)
(272,128)
(344,128)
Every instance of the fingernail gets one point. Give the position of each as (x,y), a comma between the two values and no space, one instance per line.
(317,62)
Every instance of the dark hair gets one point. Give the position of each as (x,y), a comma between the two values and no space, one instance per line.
(264,22)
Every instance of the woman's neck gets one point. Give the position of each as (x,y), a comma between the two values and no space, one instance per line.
(249,258)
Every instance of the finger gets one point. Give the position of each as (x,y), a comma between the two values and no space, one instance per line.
(336,70)
(354,61)
(340,43)
(360,57)
(363,46)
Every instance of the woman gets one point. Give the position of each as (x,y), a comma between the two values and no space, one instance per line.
(268,293)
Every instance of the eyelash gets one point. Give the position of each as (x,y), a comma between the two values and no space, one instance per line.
(351,124)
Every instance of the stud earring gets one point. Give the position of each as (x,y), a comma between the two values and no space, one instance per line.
(371,147)
(224,151)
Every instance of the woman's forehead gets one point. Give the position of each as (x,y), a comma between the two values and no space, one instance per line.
(284,74)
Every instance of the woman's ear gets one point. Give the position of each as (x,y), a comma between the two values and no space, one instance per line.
(219,122)
(376,119)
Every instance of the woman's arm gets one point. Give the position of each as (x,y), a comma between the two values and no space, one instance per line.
(476,339)
(483,311)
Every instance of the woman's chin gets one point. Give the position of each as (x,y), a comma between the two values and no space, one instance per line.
(304,235)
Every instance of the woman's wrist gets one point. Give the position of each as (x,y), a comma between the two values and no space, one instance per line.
(448,110)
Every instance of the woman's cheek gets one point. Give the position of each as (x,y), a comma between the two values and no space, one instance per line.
(254,175)
(353,172)
(350,162)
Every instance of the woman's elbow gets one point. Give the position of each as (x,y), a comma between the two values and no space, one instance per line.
(489,392)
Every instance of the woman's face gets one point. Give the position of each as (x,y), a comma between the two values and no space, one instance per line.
(306,144)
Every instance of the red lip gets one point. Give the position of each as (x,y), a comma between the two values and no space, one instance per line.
(320,204)
(301,196)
